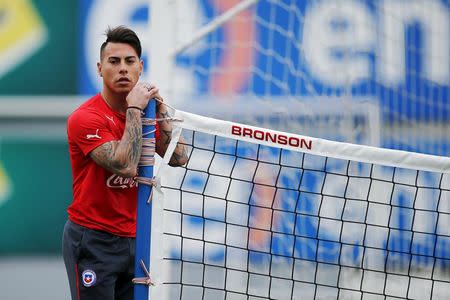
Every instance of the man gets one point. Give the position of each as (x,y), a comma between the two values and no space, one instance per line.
(105,139)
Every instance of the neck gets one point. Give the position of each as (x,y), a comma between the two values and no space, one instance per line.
(116,102)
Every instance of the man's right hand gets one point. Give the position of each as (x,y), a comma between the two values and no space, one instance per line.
(141,94)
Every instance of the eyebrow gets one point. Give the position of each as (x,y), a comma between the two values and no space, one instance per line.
(126,57)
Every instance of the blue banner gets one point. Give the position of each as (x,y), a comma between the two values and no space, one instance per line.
(395,52)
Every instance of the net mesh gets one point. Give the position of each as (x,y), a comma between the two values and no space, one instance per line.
(390,53)
(247,221)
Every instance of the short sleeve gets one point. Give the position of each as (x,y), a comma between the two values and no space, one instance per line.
(88,130)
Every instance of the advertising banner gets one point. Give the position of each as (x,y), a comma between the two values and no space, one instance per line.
(35,190)
(37,47)
(395,52)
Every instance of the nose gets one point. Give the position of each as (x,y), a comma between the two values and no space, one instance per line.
(123,68)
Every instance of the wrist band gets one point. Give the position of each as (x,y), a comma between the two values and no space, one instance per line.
(135,107)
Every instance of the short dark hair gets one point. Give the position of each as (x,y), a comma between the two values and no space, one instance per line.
(122,34)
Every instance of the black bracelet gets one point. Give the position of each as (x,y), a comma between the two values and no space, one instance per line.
(135,107)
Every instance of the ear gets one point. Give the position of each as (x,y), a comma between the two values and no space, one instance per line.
(141,67)
(99,69)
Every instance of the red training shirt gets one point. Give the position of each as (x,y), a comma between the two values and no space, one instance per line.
(101,200)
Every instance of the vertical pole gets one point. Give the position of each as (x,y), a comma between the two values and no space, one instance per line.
(162,29)
(144,215)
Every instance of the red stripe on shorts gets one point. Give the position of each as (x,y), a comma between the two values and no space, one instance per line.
(78,281)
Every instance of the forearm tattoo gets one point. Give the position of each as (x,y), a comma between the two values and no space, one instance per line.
(167,136)
(104,156)
(165,128)
(179,156)
(122,157)
(133,138)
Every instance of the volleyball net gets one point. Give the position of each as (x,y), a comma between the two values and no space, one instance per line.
(258,214)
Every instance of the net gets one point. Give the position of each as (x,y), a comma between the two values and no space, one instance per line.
(393,54)
(263,214)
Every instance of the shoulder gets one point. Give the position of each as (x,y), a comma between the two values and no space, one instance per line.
(87,111)
(89,116)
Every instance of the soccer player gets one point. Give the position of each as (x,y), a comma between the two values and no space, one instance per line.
(105,139)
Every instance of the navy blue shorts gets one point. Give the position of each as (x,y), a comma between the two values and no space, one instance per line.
(99,265)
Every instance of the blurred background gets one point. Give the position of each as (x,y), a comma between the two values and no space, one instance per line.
(363,71)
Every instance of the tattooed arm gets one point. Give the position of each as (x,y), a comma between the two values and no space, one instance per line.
(179,156)
(122,157)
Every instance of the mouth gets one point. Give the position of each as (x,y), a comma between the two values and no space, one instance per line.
(123,80)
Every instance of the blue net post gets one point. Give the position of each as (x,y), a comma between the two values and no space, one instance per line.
(144,214)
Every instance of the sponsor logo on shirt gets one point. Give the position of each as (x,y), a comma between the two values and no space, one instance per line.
(118,182)
(93,136)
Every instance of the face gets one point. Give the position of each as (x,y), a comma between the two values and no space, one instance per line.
(120,67)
